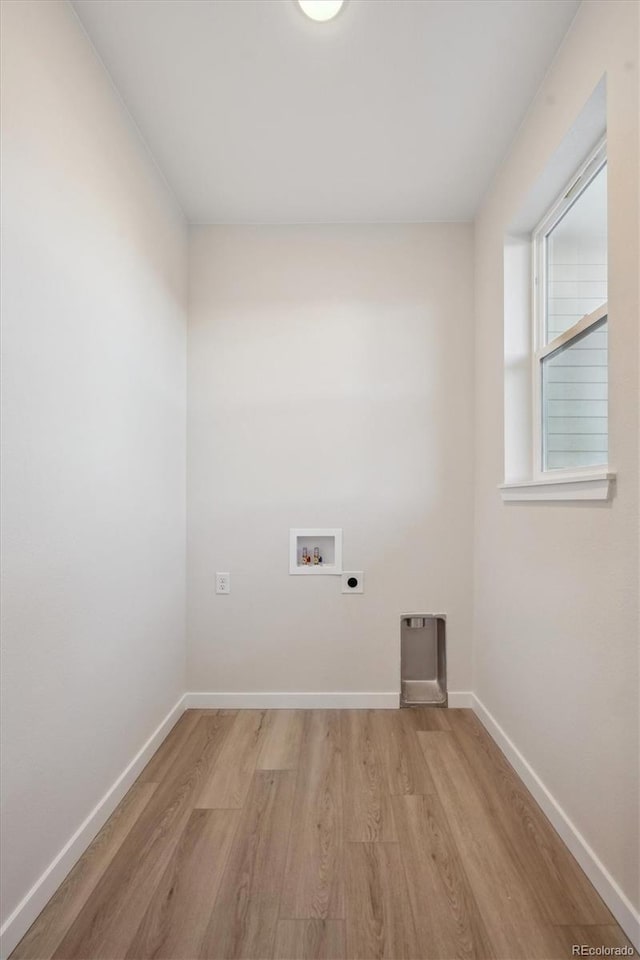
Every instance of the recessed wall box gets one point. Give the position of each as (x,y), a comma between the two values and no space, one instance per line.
(315,550)
(423,660)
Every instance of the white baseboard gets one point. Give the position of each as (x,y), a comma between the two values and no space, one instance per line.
(17,924)
(617,901)
(301,701)
(381,700)
(36,899)
(459,698)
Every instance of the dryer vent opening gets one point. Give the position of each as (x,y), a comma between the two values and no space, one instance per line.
(423,660)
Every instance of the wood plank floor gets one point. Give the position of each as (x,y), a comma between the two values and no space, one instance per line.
(325,834)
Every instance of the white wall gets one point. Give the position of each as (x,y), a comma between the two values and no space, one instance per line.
(556,585)
(93,438)
(330,384)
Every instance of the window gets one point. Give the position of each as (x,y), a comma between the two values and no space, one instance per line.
(570,373)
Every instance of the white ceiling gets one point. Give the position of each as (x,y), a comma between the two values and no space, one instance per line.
(397,110)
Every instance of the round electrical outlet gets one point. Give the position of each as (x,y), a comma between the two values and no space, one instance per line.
(353,581)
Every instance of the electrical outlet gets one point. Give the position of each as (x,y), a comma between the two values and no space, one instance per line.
(223,583)
(353,582)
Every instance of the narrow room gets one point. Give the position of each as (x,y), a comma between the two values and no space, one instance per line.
(320,477)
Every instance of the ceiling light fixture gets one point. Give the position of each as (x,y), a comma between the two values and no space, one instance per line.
(321,10)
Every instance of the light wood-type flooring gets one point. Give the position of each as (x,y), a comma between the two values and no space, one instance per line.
(323,833)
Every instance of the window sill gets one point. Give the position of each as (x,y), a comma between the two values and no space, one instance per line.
(585,486)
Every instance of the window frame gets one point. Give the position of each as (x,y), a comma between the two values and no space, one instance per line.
(580,182)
